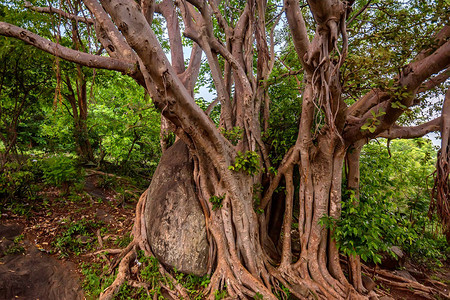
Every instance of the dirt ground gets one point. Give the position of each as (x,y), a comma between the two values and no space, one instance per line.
(32,266)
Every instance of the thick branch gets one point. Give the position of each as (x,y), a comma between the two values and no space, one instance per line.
(405,132)
(119,44)
(163,84)
(85,59)
(415,73)
(439,38)
(297,27)
(148,8)
(410,80)
(167,9)
(434,81)
(52,10)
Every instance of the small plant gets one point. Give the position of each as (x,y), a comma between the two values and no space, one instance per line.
(217,201)
(193,284)
(368,227)
(282,292)
(74,197)
(257,190)
(222,294)
(124,240)
(19,238)
(248,162)
(16,248)
(106,182)
(234,135)
(18,181)
(94,279)
(77,237)
(150,273)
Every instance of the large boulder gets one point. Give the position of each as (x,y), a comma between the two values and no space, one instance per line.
(175,220)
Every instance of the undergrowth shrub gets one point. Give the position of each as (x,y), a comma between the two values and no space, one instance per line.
(19,186)
(77,238)
(368,227)
(60,170)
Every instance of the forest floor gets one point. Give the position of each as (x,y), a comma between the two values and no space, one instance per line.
(48,250)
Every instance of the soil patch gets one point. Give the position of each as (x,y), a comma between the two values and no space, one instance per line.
(32,274)
(32,266)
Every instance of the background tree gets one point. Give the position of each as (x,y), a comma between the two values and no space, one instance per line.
(338,115)
(24,84)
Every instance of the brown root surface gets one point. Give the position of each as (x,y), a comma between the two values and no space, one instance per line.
(41,229)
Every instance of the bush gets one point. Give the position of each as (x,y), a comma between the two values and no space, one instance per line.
(369,228)
(18,180)
(60,170)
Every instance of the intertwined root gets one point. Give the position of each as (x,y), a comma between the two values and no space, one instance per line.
(306,279)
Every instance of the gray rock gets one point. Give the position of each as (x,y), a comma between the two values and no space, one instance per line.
(392,263)
(175,220)
(368,283)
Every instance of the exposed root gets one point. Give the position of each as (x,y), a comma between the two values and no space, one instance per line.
(128,256)
(405,284)
(122,275)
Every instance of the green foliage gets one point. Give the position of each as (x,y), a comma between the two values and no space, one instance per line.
(193,284)
(216,201)
(220,294)
(285,104)
(257,190)
(124,240)
(95,280)
(77,237)
(373,122)
(126,125)
(247,162)
(282,292)
(234,135)
(18,180)
(16,247)
(385,39)
(59,170)
(393,205)
(368,227)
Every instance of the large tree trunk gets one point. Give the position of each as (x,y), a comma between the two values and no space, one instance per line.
(240,248)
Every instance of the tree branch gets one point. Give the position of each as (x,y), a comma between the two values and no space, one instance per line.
(85,59)
(415,73)
(298,28)
(52,10)
(405,132)
(112,33)
(359,12)
(167,9)
(434,81)
(411,78)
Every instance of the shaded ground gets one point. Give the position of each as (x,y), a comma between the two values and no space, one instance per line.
(31,274)
(32,266)
(42,254)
